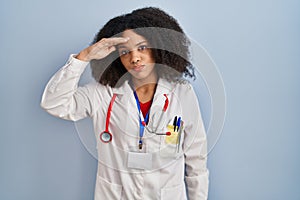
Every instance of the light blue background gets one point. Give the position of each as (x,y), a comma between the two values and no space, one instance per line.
(255,44)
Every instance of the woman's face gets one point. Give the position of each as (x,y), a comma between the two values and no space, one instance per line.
(136,56)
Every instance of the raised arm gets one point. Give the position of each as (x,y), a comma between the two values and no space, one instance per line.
(62,96)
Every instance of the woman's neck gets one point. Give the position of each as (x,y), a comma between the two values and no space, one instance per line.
(145,93)
(145,88)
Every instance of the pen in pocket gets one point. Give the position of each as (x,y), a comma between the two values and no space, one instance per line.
(179,135)
(175,123)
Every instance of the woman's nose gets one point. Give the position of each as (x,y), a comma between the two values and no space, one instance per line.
(135,56)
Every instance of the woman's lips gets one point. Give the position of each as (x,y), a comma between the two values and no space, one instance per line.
(138,68)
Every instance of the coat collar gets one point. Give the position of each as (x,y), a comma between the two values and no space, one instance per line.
(163,87)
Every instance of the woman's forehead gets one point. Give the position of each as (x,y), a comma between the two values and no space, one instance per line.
(135,39)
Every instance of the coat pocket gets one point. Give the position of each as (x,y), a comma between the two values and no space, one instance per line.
(171,146)
(105,190)
(174,193)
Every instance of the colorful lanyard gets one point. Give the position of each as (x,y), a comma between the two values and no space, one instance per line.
(141,119)
(106,136)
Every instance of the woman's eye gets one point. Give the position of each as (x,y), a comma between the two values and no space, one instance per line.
(123,52)
(142,47)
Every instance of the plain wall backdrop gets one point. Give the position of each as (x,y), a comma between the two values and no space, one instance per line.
(255,45)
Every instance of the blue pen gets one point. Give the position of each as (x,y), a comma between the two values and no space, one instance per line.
(178,123)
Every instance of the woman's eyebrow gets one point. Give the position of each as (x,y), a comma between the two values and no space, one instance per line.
(141,43)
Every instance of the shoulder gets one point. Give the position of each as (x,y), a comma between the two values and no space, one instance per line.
(184,87)
(185,91)
(97,90)
(92,86)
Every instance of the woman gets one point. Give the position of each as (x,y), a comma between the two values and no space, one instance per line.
(150,136)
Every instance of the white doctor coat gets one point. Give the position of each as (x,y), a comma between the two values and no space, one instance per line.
(171,173)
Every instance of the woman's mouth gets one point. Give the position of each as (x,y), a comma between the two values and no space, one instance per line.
(138,68)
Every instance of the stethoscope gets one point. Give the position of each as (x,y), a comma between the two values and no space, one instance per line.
(106,135)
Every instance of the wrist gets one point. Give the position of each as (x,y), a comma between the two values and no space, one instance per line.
(82,56)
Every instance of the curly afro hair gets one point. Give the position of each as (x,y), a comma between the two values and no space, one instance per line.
(169,46)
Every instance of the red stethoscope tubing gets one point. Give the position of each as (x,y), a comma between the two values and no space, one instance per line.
(106,133)
(109,112)
(106,136)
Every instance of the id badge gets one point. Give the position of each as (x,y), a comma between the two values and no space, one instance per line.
(139,159)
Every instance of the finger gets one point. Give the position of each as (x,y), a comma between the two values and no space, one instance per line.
(111,49)
(115,41)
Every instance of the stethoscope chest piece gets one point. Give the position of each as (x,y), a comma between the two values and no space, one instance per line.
(106,137)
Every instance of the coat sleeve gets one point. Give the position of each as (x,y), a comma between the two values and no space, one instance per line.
(63,98)
(195,151)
